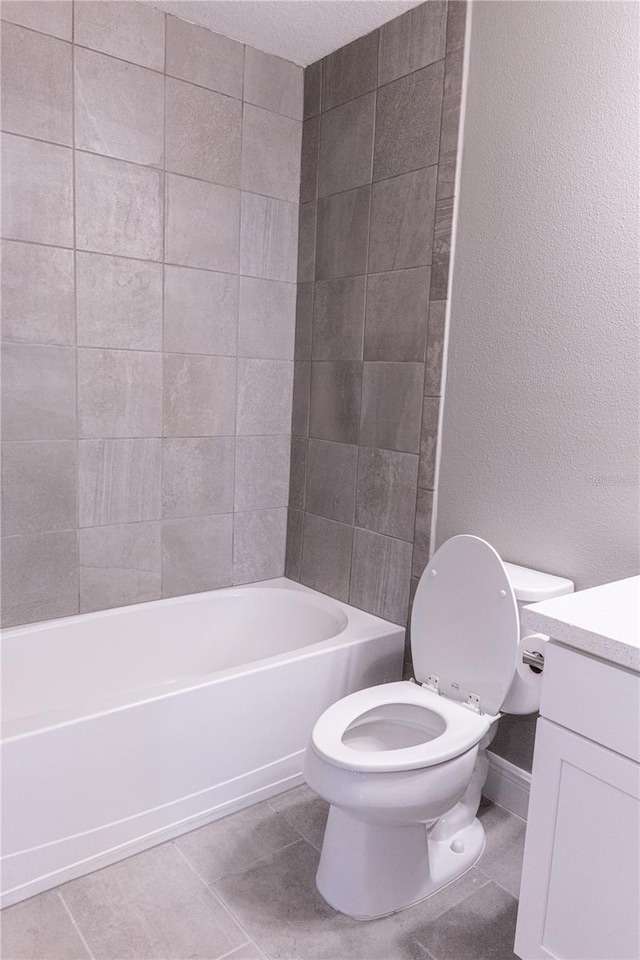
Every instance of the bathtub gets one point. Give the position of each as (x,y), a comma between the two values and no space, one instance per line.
(124,728)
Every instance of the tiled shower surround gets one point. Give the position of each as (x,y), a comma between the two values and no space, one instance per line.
(377,184)
(150,217)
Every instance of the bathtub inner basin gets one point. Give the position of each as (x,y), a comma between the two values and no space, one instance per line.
(112,653)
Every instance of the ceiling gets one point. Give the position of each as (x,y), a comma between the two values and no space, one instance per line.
(299,30)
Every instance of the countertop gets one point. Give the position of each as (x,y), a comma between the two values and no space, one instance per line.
(603,621)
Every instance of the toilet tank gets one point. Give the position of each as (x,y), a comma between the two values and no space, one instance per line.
(530,586)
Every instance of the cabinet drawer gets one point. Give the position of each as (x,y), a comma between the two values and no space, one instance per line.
(594,698)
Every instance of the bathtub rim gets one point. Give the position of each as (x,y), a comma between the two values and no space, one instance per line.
(359,627)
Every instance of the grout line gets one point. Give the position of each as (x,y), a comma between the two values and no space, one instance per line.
(75,924)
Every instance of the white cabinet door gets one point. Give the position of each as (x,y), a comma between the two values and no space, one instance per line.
(580,895)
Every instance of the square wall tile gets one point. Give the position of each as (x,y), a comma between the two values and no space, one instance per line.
(39,577)
(199,396)
(273,83)
(119,565)
(269,238)
(37,192)
(119,108)
(326,556)
(386,493)
(346,146)
(441,249)
(202,228)
(204,132)
(262,472)
(391,406)
(271,146)
(342,237)
(265,389)
(118,207)
(119,481)
(331,480)
(435,348)
(267,321)
(304,320)
(402,216)
(124,28)
(37,294)
(301,398)
(350,71)
(456,18)
(450,121)
(408,122)
(397,314)
(381,576)
(335,401)
(39,484)
(298,472)
(119,302)
(429,443)
(309,159)
(293,556)
(411,41)
(36,85)
(338,319)
(312,89)
(38,392)
(307,219)
(259,545)
(200,311)
(197,476)
(422,533)
(52,18)
(197,554)
(203,57)
(119,393)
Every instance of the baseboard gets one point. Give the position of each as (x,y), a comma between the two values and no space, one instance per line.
(508,785)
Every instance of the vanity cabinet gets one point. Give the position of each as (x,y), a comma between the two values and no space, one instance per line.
(580,895)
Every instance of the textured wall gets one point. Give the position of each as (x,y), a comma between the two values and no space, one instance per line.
(150,213)
(540,435)
(378,162)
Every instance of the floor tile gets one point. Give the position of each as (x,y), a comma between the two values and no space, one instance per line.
(502,859)
(305,811)
(151,907)
(40,929)
(234,843)
(278,904)
(482,927)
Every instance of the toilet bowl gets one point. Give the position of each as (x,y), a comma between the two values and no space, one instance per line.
(403,764)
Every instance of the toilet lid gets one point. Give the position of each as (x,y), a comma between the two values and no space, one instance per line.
(464,623)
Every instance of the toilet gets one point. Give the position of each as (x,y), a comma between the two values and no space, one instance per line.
(403,764)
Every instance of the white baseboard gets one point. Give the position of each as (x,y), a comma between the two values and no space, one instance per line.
(507,785)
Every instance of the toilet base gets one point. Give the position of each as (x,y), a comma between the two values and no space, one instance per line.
(369,871)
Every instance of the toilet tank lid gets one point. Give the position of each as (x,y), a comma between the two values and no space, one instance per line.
(532,586)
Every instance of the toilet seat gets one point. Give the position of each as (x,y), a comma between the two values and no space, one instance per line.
(463,729)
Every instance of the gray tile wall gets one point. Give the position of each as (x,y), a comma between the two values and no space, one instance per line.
(150,219)
(379,146)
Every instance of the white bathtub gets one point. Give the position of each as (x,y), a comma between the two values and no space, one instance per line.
(126,727)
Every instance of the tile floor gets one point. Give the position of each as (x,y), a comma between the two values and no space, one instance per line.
(243,888)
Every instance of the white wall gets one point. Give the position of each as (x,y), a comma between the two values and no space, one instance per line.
(540,434)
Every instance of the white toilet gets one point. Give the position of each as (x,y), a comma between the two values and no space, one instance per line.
(403,764)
